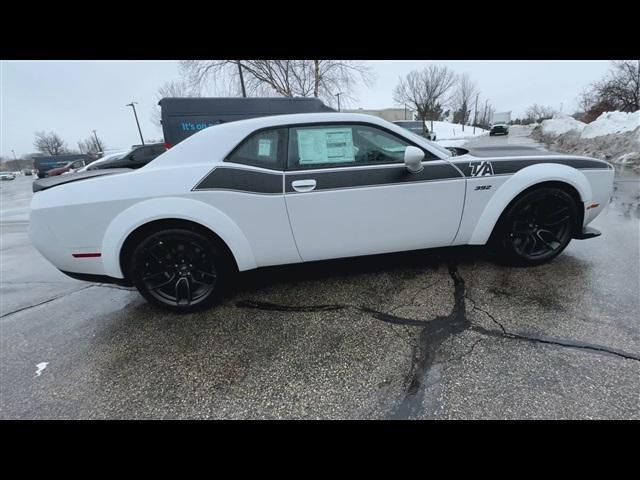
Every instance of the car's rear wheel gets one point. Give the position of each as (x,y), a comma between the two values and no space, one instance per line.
(179,270)
(536,227)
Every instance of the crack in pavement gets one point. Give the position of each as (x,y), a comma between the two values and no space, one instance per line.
(431,336)
(547,340)
(99,285)
(46,301)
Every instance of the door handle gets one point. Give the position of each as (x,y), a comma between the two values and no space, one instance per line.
(303,185)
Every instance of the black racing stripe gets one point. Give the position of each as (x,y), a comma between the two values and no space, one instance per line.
(245,180)
(504,167)
(336,179)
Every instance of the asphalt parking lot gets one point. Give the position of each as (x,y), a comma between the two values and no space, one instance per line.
(429,335)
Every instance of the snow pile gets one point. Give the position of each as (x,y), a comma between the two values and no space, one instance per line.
(448,130)
(561,124)
(613,136)
(612,122)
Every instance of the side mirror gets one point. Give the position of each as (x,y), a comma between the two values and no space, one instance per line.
(413,157)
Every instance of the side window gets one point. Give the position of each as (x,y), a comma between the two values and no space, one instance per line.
(343,145)
(264,149)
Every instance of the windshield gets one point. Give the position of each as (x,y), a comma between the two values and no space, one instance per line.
(411,125)
(435,145)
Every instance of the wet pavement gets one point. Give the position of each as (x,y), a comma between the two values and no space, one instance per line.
(438,334)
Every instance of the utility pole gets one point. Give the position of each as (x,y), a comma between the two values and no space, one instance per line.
(475,114)
(338,95)
(244,92)
(132,105)
(99,147)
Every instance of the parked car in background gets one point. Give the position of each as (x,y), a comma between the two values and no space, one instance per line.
(499,129)
(417,127)
(7,176)
(70,167)
(45,164)
(135,158)
(97,164)
(301,188)
(27,171)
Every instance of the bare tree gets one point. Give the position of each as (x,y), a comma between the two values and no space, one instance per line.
(619,90)
(538,113)
(179,88)
(462,98)
(49,143)
(426,91)
(289,78)
(92,145)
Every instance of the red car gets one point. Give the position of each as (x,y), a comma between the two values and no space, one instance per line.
(64,169)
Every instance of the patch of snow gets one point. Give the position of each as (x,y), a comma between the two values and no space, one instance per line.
(628,158)
(41,366)
(452,143)
(561,124)
(448,130)
(612,122)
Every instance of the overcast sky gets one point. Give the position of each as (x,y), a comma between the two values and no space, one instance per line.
(72,98)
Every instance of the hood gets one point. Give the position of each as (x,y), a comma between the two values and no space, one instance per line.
(50,182)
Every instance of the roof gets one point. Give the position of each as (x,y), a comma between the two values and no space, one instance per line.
(63,158)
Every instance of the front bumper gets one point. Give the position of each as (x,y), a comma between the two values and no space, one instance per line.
(587,232)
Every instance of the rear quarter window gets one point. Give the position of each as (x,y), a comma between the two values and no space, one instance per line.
(264,149)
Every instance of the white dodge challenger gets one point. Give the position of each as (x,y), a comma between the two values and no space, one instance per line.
(299,188)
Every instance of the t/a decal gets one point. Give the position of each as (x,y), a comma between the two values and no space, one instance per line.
(481,169)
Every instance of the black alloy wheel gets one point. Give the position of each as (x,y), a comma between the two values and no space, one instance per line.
(538,226)
(179,270)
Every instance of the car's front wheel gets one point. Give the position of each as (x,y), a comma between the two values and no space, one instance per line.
(536,227)
(179,270)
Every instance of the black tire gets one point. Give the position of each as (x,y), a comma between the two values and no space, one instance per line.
(536,227)
(179,270)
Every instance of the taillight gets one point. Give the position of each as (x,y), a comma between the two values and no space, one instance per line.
(167,146)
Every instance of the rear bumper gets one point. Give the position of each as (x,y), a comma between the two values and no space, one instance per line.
(89,277)
(587,232)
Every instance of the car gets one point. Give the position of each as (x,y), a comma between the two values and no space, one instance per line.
(104,161)
(499,129)
(419,128)
(137,157)
(69,167)
(44,164)
(27,172)
(306,187)
(7,176)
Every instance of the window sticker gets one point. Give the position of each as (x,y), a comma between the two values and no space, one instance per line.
(264,147)
(325,145)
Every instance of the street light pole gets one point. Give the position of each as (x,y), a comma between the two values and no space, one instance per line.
(97,141)
(338,95)
(14,154)
(132,105)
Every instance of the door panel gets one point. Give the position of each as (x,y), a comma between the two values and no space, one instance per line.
(374,209)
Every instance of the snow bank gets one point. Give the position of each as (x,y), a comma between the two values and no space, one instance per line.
(613,136)
(612,122)
(562,124)
(448,130)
